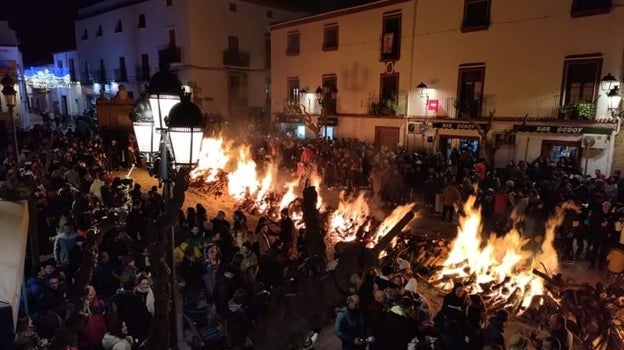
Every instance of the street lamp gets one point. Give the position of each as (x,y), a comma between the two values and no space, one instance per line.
(9,96)
(607,83)
(324,96)
(422,89)
(614,98)
(170,131)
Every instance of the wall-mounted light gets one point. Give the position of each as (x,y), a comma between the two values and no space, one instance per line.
(614,98)
(608,82)
(422,89)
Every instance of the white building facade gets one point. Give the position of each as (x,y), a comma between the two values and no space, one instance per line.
(219,48)
(460,63)
(11,63)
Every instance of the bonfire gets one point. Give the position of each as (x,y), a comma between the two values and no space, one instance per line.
(498,268)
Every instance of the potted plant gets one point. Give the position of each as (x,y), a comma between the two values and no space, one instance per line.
(465,107)
(578,110)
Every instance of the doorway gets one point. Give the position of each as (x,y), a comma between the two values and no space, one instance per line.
(386,136)
(555,150)
(449,145)
(64,105)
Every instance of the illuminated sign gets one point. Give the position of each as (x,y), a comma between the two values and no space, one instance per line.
(47,78)
(432,105)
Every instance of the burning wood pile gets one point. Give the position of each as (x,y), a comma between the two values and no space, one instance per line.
(509,275)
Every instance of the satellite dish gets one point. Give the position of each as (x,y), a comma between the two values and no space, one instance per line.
(411,127)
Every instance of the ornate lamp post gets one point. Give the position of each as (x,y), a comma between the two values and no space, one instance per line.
(170,132)
(324,96)
(9,96)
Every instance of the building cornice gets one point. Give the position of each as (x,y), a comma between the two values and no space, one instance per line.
(101,7)
(336,13)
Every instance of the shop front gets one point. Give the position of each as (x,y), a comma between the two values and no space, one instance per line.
(588,147)
(457,136)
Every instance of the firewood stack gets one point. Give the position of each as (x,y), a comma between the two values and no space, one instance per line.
(595,313)
(213,188)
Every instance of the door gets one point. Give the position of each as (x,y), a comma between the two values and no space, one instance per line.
(386,136)
(64,105)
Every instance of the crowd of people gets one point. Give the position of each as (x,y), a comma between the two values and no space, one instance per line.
(228,267)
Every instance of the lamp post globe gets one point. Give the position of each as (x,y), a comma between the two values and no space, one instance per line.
(164,92)
(186,130)
(146,133)
(608,82)
(8,90)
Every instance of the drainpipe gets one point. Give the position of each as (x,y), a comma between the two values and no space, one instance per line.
(411,73)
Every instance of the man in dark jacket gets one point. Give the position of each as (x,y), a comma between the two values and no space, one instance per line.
(128,307)
(226,284)
(602,227)
(350,327)
(238,320)
(495,331)
(67,254)
(398,327)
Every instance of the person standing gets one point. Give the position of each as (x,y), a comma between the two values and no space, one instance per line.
(450,199)
(350,327)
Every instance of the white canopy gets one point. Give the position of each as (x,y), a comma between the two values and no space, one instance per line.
(13,238)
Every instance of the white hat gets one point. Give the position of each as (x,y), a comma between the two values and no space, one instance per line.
(411,286)
(403,264)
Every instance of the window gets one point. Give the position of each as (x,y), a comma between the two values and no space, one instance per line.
(581,78)
(72,69)
(87,72)
(233,44)
(118,27)
(330,37)
(171,38)
(59,64)
(293,44)
(102,75)
(470,91)
(123,73)
(168,2)
(233,7)
(85,35)
(145,67)
(141,21)
(267,50)
(476,15)
(99,31)
(582,8)
(269,13)
(389,89)
(292,89)
(391,37)
(330,102)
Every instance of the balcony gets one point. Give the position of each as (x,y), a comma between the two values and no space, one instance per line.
(143,73)
(120,75)
(388,106)
(86,77)
(236,58)
(170,55)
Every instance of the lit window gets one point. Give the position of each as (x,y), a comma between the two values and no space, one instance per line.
(391,37)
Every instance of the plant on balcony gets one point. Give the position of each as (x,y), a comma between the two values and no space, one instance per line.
(578,110)
(465,108)
(388,106)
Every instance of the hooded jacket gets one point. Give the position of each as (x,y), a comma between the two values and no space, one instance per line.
(111,342)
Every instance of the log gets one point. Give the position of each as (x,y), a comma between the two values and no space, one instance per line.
(395,231)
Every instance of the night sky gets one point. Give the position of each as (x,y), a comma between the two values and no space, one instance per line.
(47,26)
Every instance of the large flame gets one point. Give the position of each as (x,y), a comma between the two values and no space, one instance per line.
(290,195)
(500,269)
(388,223)
(315,180)
(212,159)
(243,181)
(351,215)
